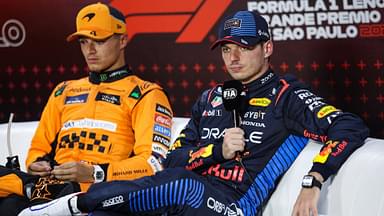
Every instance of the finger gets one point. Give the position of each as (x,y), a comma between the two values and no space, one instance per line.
(39,173)
(314,211)
(66,165)
(63,171)
(40,167)
(69,177)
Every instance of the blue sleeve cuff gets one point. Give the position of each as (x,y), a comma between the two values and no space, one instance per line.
(323,170)
(218,154)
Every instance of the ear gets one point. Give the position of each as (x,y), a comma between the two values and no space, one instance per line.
(268,49)
(123,41)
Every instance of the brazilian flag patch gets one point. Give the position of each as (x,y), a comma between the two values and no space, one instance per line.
(60,90)
(136,93)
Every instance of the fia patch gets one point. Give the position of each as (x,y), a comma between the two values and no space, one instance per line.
(76,99)
(109,98)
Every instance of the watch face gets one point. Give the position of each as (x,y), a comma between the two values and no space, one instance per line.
(99,175)
(307,181)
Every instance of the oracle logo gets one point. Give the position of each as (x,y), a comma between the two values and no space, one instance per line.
(192,19)
(163,120)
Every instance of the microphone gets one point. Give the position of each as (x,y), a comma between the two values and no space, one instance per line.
(233,101)
(232,98)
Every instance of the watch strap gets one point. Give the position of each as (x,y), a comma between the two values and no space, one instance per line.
(314,182)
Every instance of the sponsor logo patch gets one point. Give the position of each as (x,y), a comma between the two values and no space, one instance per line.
(76,99)
(218,112)
(164,120)
(159,149)
(215,133)
(155,164)
(332,147)
(269,76)
(90,123)
(221,208)
(113,201)
(254,115)
(311,100)
(60,91)
(160,139)
(162,130)
(326,111)
(217,101)
(136,93)
(203,152)
(109,98)
(261,102)
(78,90)
(253,124)
(164,110)
(232,23)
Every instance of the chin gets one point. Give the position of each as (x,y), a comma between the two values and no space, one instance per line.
(94,68)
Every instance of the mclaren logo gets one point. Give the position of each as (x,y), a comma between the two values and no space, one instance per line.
(89,16)
(190,18)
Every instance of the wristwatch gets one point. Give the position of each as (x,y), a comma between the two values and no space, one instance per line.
(98,174)
(309,181)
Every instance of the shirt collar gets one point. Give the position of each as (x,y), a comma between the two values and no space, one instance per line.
(109,76)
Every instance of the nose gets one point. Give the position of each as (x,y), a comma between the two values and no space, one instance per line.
(235,54)
(91,47)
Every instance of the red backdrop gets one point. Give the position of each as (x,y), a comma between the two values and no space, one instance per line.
(335,46)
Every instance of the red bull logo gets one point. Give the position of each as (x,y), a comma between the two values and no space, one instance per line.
(203,152)
(330,146)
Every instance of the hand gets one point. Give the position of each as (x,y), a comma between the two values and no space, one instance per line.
(233,142)
(306,202)
(41,168)
(74,171)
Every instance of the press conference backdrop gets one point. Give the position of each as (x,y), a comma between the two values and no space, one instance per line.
(336,46)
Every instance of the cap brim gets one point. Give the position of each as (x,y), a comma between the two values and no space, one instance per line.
(250,41)
(100,35)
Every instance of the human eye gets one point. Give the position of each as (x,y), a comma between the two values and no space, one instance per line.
(82,41)
(224,49)
(244,49)
(100,42)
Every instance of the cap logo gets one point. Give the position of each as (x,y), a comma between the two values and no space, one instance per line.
(93,33)
(263,33)
(244,41)
(232,23)
(89,16)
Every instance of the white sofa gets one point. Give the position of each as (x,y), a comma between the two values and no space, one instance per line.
(357,189)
